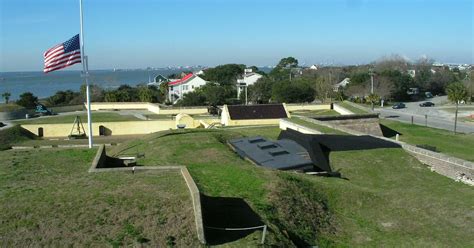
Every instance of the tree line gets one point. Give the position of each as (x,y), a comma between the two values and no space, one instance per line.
(286,82)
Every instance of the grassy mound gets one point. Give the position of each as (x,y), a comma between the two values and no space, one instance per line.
(387,197)
(48,199)
(14,135)
(458,145)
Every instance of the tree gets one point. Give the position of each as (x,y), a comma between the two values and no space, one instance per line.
(288,62)
(293,91)
(193,98)
(224,74)
(110,96)
(457,92)
(96,93)
(214,93)
(393,62)
(282,71)
(260,91)
(62,97)
(27,100)
(6,96)
(373,99)
(323,88)
(145,94)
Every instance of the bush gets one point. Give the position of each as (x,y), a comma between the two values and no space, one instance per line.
(293,91)
(27,100)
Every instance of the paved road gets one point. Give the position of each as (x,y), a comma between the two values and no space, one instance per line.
(436,116)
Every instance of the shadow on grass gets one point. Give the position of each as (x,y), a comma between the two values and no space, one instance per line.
(388,132)
(227,212)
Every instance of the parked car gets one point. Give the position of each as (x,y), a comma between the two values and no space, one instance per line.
(427,104)
(398,105)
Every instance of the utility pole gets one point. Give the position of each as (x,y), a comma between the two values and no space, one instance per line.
(371,73)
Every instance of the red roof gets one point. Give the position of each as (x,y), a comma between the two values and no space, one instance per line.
(182,80)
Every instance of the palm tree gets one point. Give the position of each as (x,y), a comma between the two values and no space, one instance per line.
(457,92)
(6,96)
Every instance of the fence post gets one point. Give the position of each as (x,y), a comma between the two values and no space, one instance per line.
(264,233)
(426,120)
(412,119)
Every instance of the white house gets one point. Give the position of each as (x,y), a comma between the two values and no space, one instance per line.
(412,73)
(247,80)
(178,88)
(342,84)
(313,67)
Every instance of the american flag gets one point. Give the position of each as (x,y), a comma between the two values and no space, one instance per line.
(62,55)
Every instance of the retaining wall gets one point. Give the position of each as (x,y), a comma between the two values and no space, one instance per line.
(155,108)
(285,124)
(192,187)
(296,107)
(366,123)
(452,167)
(341,110)
(112,128)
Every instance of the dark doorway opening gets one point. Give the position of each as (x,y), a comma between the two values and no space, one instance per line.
(227,212)
(40,132)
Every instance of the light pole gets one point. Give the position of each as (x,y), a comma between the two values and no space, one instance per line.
(371,73)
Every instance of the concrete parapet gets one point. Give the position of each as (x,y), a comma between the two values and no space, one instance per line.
(196,198)
(307,107)
(284,124)
(101,157)
(341,110)
(452,167)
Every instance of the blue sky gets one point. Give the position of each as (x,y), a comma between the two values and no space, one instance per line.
(141,33)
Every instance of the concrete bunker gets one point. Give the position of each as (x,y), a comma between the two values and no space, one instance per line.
(102,161)
(104,131)
(184,121)
(303,152)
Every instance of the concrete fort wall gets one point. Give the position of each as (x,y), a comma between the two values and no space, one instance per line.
(189,111)
(308,107)
(113,128)
(253,122)
(367,123)
(155,108)
(452,167)
(285,124)
(118,105)
(341,110)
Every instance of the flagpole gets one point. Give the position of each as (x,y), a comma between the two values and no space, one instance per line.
(85,74)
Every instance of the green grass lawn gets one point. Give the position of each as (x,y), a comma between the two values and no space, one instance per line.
(9,107)
(14,135)
(321,128)
(48,199)
(459,145)
(310,113)
(351,108)
(388,198)
(96,117)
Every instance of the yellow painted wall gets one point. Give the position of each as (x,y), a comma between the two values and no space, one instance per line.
(296,107)
(253,122)
(189,111)
(117,128)
(155,108)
